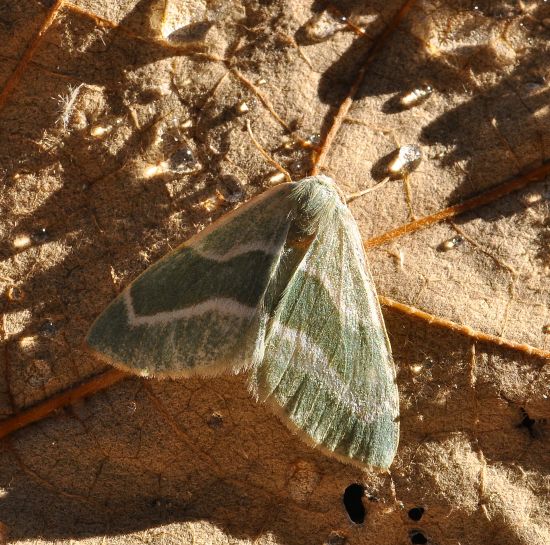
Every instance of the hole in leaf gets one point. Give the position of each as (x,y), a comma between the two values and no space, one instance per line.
(416,513)
(353,502)
(418,538)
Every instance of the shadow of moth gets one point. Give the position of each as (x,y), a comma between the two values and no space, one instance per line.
(278,288)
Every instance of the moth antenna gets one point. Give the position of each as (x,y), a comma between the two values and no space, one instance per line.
(266,155)
(353,196)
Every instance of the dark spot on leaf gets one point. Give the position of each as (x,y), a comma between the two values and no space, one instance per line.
(232,189)
(182,159)
(530,424)
(40,236)
(215,420)
(47,328)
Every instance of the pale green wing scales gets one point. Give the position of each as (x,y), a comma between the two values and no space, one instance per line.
(197,309)
(279,286)
(327,366)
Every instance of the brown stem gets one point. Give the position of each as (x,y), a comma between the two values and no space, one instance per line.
(46,407)
(515,184)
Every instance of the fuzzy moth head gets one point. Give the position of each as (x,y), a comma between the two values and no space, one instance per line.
(315,200)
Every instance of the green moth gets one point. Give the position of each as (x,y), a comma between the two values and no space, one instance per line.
(278,288)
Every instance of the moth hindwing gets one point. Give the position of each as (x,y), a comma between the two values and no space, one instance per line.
(279,287)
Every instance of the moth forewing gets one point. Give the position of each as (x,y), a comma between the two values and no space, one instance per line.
(191,312)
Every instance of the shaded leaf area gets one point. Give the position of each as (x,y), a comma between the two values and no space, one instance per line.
(127,133)
(484,123)
(145,454)
(18,25)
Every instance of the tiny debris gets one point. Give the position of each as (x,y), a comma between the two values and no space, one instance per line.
(451,243)
(312,141)
(242,108)
(398,254)
(323,25)
(546,329)
(416,96)
(28,343)
(99,131)
(195,33)
(183,161)
(407,158)
(67,103)
(150,171)
(336,538)
(213,203)
(130,407)
(22,242)
(276,178)
(15,294)
(401,257)
(531,198)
